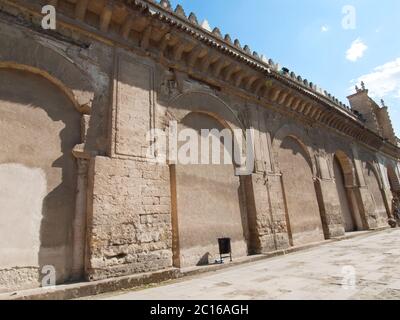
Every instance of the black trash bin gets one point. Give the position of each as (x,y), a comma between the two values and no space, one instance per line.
(225,249)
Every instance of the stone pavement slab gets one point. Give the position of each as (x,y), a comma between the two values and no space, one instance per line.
(364,267)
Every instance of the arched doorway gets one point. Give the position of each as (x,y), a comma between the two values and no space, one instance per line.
(303,213)
(342,170)
(39,127)
(374,186)
(208,202)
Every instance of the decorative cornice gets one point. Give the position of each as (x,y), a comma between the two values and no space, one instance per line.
(235,49)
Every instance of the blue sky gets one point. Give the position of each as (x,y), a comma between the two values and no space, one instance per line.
(308,37)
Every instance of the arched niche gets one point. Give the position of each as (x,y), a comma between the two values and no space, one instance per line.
(208,200)
(302,138)
(53,64)
(375,188)
(198,101)
(347,189)
(38,176)
(302,208)
(206,103)
(347,167)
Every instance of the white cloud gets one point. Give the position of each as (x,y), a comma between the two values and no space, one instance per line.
(356,50)
(325,28)
(384,80)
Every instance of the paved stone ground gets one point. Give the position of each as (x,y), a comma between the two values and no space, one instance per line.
(317,273)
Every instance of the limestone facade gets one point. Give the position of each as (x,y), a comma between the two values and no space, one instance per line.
(79,190)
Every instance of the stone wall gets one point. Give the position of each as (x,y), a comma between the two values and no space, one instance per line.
(125,214)
(54,108)
(130,219)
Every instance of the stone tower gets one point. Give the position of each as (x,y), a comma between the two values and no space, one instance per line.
(376,118)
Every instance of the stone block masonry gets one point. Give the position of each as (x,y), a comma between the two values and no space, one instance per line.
(130,227)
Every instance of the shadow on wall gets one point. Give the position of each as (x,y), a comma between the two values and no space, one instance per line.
(205,260)
(297,148)
(302,207)
(41,127)
(393,180)
(375,189)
